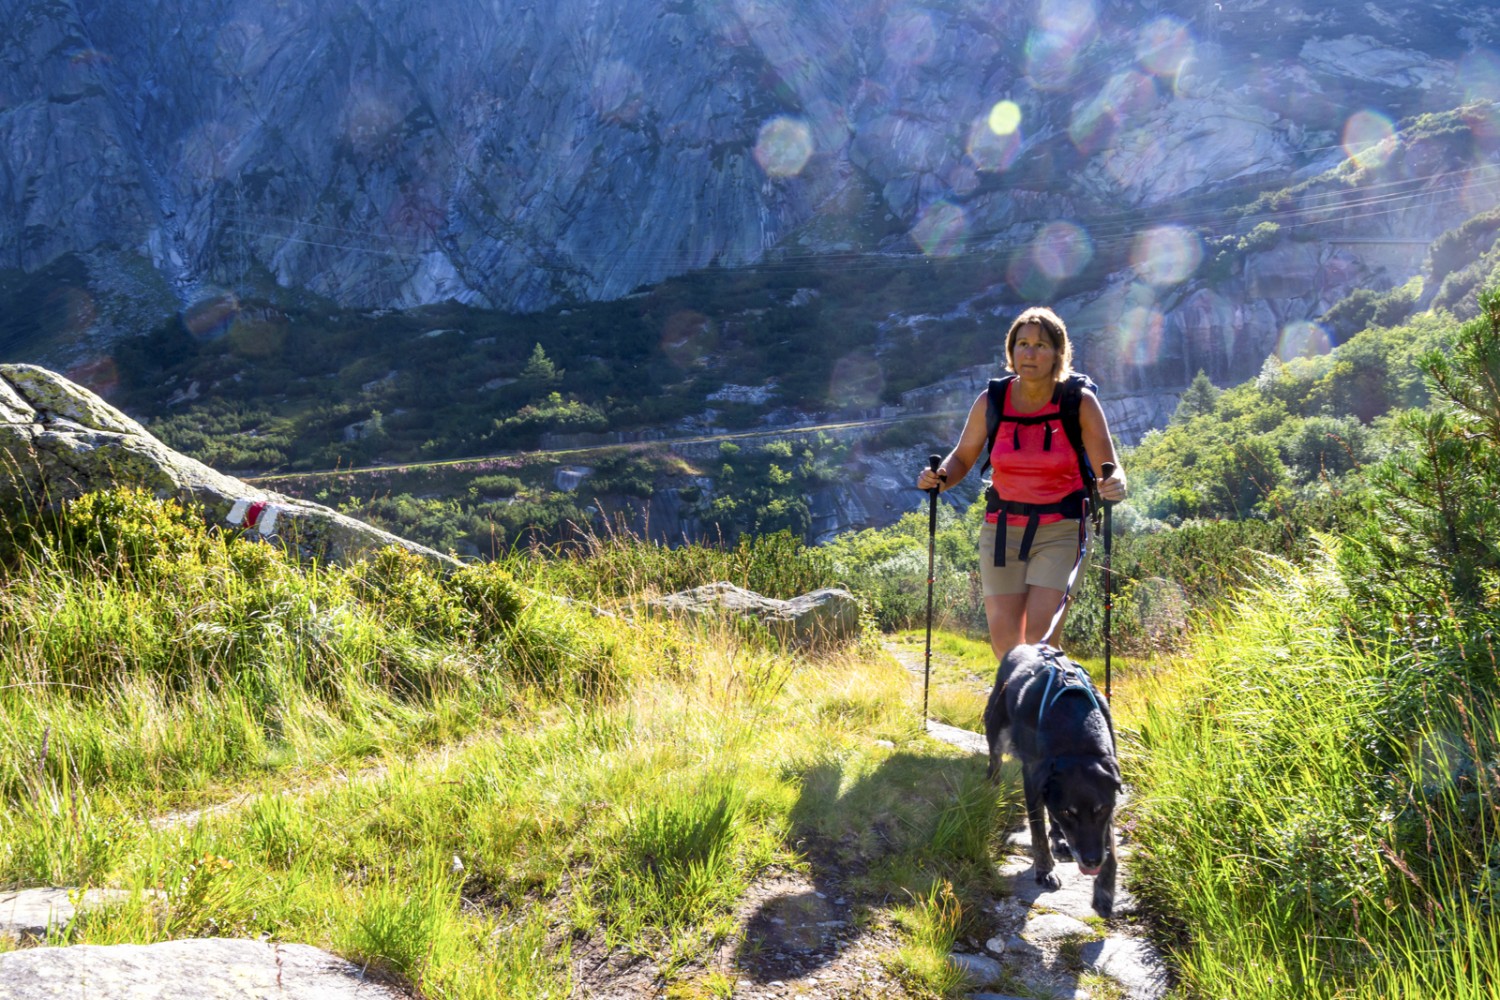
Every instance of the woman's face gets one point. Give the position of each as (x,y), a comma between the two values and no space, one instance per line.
(1033,353)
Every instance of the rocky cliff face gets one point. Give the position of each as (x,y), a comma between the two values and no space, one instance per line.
(386,153)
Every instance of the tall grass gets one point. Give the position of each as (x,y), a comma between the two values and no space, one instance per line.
(620,786)
(1305,828)
(615,565)
(139,650)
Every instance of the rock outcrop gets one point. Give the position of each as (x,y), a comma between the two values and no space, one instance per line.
(828,615)
(187,970)
(392,154)
(58,440)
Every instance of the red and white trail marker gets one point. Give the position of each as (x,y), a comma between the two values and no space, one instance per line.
(255,514)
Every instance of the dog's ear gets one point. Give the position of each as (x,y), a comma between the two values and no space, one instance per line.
(1113,767)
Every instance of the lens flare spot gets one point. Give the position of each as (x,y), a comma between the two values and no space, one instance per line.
(687,338)
(992,151)
(1075,18)
(1369,138)
(1050,59)
(1005,118)
(963,178)
(1064,28)
(1028,279)
(372,124)
(1479,75)
(100,375)
(1481,184)
(1163,46)
(1062,250)
(856,381)
(942,231)
(211,317)
(1095,122)
(784,146)
(1140,334)
(1303,339)
(909,38)
(616,92)
(1166,255)
(73,310)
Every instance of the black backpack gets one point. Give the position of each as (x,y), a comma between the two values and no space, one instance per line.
(1069,398)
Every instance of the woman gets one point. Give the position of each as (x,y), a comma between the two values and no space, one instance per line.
(1035,468)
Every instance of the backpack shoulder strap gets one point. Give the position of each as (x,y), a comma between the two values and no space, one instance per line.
(1068,405)
(996,406)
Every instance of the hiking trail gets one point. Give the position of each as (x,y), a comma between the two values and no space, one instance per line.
(1050,942)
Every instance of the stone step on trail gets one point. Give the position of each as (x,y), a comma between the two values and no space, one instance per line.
(1040,927)
(187,970)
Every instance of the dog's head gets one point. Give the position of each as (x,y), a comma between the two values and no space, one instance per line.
(1080,794)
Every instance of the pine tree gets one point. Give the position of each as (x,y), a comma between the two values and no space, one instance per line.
(1200,398)
(539,369)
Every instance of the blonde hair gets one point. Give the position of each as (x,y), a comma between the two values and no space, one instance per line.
(1057,332)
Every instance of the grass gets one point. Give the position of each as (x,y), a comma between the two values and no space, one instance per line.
(458,781)
(1300,832)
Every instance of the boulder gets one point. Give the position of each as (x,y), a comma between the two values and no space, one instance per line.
(58,441)
(827,615)
(187,970)
(31,913)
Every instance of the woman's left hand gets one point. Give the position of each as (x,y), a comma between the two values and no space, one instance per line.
(1113,488)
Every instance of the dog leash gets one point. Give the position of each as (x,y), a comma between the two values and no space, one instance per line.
(1083,551)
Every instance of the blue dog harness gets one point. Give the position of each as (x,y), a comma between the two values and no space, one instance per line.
(1066,676)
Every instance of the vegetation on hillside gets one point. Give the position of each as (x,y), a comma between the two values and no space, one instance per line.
(462,780)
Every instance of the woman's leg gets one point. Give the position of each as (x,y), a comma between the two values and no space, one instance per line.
(1041,605)
(1006,615)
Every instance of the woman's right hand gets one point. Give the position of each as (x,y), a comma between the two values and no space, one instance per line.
(932,480)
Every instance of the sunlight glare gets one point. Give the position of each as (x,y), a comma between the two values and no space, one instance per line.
(1369,138)
(1062,250)
(909,38)
(784,146)
(1005,118)
(1166,255)
(1163,46)
(991,150)
(1303,339)
(942,230)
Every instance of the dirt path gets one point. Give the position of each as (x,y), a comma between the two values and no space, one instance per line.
(1049,941)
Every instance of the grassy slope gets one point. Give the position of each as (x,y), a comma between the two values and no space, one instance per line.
(573,782)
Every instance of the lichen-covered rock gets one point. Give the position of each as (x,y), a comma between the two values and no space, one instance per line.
(31,913)
(186,970)
(58,440)
(827,615)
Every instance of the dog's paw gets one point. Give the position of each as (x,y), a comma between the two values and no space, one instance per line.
(1050,879)
(1104,902)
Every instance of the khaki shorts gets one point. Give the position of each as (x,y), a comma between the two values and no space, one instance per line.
(1053,552)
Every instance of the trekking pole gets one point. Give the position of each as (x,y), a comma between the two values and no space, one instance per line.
(1108,469)
(932,495)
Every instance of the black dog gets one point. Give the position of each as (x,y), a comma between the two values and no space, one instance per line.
(1060,729)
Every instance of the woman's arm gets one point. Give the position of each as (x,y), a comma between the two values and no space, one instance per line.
(1100,446)
(964,454)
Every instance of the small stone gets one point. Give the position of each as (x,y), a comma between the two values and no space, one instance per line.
(1050,927)
(885,743)
(995,945)
(981,967)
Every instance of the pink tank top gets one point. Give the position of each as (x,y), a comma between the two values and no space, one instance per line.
(1034,472)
